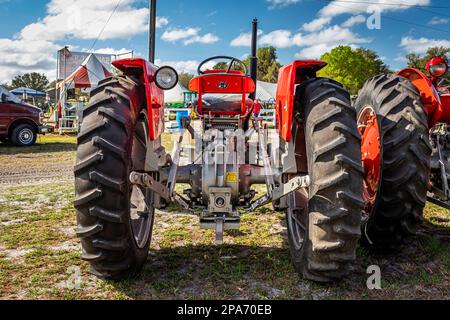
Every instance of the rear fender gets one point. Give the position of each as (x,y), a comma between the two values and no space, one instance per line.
(445,101)
(428,96)
(145,72)
(289,77)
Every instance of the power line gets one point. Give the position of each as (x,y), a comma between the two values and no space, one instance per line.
(388,17)
(106,24)
(390,4)
(417,7)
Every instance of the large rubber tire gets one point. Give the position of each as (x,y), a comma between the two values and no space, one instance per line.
(24,135)
(108,150)
(332,216)
(405,160)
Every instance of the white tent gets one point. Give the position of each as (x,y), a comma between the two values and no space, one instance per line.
(175,94)
(88,74)
(266,92)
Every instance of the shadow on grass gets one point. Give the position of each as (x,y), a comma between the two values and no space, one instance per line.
(48,147)
(207,271)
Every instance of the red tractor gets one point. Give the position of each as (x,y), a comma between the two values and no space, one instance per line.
(123,172)
(404,123)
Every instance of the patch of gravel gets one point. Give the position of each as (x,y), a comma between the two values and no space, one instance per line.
(15,253)
(66,246)
(69,231)
(12,222)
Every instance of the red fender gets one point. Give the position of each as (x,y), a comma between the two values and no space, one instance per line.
(289,76)
(154,95)
(445,100)
(428,95)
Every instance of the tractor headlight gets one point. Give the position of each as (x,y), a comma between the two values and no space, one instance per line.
(438,70)
(437,67)
(166,78)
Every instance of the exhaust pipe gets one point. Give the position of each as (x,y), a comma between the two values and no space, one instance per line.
(152,32)
(253,56)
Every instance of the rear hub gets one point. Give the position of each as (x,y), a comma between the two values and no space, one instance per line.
(371,155)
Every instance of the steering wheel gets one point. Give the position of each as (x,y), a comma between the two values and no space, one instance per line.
(230,64)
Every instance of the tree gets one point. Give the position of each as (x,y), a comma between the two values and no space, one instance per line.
(185,78)
(36,81)
(352,67)
(268,65)
(381,67)
(221,66)
(416,61)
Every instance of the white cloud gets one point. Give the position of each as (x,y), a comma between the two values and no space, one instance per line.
(332,35)
(281,3)
(20,57)
(188,36)
(436,20)
(320,39)
(312,44)
(34,48)
(244,39)
(421,45)
(317,43)
(336,8)
(353,21)
(205,39)
(84,19)
(278,39)
(316,24)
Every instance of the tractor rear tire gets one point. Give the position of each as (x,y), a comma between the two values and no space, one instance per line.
(405,153)
(324,221)
(115,218)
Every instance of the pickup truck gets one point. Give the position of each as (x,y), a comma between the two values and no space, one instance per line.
(20,123)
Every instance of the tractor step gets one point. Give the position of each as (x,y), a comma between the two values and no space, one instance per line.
(220,223)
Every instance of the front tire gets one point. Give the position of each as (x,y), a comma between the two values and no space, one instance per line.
(115,218)
(24,135)
(396,194)
(324,221)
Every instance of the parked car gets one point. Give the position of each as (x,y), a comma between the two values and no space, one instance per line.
(20,122)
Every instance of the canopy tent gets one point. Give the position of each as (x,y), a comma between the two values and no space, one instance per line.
(175,95)
(8,96)
(266,92)
(22,91)
(88,75)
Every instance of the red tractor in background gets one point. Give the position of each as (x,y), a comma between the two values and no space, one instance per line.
(313,170)
(404,123)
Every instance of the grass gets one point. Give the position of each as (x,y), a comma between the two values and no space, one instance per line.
(39,252)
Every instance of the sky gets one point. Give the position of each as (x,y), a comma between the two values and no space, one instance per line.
(31,31)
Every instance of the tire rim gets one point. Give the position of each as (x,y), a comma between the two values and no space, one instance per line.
(297,219)
(26,136)
(371,156)
(141,214)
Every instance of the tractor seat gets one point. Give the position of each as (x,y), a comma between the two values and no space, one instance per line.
(227,104)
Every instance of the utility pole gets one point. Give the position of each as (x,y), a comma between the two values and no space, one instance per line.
(254,57)
(152,31)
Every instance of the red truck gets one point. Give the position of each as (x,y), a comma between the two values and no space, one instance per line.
(20,123)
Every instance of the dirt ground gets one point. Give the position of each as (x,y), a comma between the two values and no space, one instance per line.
(39,252)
